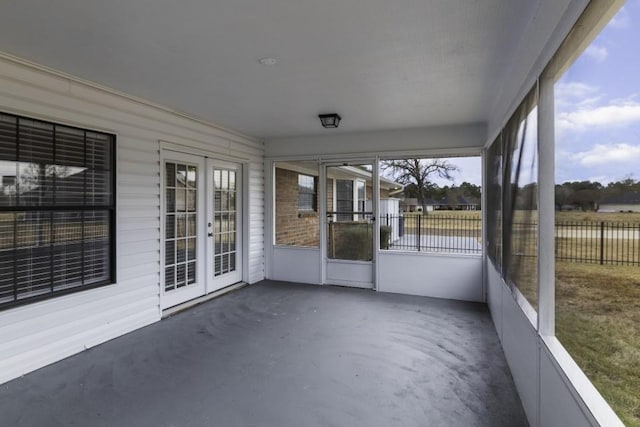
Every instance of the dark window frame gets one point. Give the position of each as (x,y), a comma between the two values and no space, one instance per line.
(92,174)
(349,200)
(304,194)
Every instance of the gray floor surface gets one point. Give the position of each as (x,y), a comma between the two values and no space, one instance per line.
(277,354)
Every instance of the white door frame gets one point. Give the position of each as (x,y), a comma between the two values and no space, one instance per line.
(174,151)
(177,296)
(214,283)
(349,270)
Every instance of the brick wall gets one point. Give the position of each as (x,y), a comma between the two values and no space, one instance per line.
(384,193)
(295,227)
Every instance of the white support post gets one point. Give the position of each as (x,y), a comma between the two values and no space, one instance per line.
(375,206)
(269,215)
(546,207)
(483,219)
(322,211)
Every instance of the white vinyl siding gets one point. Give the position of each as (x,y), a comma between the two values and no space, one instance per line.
(37,334)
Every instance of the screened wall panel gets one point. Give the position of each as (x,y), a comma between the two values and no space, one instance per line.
(494,202)
(520,192)
(56,209)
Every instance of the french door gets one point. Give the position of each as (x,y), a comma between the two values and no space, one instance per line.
(201,226)
(224,231)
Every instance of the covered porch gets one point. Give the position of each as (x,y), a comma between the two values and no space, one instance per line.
(157,156)
(284,354)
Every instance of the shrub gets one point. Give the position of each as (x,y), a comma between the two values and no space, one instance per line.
(353,241)
(385,236)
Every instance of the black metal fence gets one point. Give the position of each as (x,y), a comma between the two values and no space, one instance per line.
(435,233)
(597,242)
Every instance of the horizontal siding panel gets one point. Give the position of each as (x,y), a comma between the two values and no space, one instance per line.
(34,335)
(147,281)
(137,124)
(138,212)
(125,262)
(32,318)
(133,107)
(46,354)
(70,322)
(133,248)
(139,234)
(51,82)
(125,203)
(135,188)
(138,199)
(138,270)
(138,156)
(126,224)
(127,167)
(33,77)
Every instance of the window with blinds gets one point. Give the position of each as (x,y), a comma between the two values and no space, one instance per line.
(307,193)
(57,209)
(344,199)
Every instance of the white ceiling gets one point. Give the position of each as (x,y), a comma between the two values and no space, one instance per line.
(381,64)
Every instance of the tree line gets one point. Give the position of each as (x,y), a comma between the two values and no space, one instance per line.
(587,195)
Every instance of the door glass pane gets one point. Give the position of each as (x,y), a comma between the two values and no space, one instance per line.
(181,225)
(350,229)
(170,226)
(181,176)
(180,251)
(191,177)
(191,201)
(170,201)
(170,252)
(191,273)
(191,225)
(181,200)
(225,221)
(191,249)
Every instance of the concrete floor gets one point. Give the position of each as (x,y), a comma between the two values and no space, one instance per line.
(276,354)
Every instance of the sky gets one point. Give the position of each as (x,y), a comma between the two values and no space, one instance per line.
(469,170)
(598,106)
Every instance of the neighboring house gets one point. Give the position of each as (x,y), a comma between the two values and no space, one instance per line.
(409,204)
(349,190)
(453,203)
(450,203)
(624,202)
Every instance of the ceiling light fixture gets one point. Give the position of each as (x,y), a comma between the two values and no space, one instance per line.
(268,61)
(330,121)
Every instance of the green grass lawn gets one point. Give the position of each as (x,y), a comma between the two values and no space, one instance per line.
(598,322)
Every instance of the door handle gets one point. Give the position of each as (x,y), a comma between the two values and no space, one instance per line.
(210,234)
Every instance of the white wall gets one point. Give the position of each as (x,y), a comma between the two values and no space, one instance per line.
(389,207)
(35,335)
(443,139)
(449,276)
(292,264)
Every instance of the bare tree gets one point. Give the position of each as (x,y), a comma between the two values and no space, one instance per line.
(418,172)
